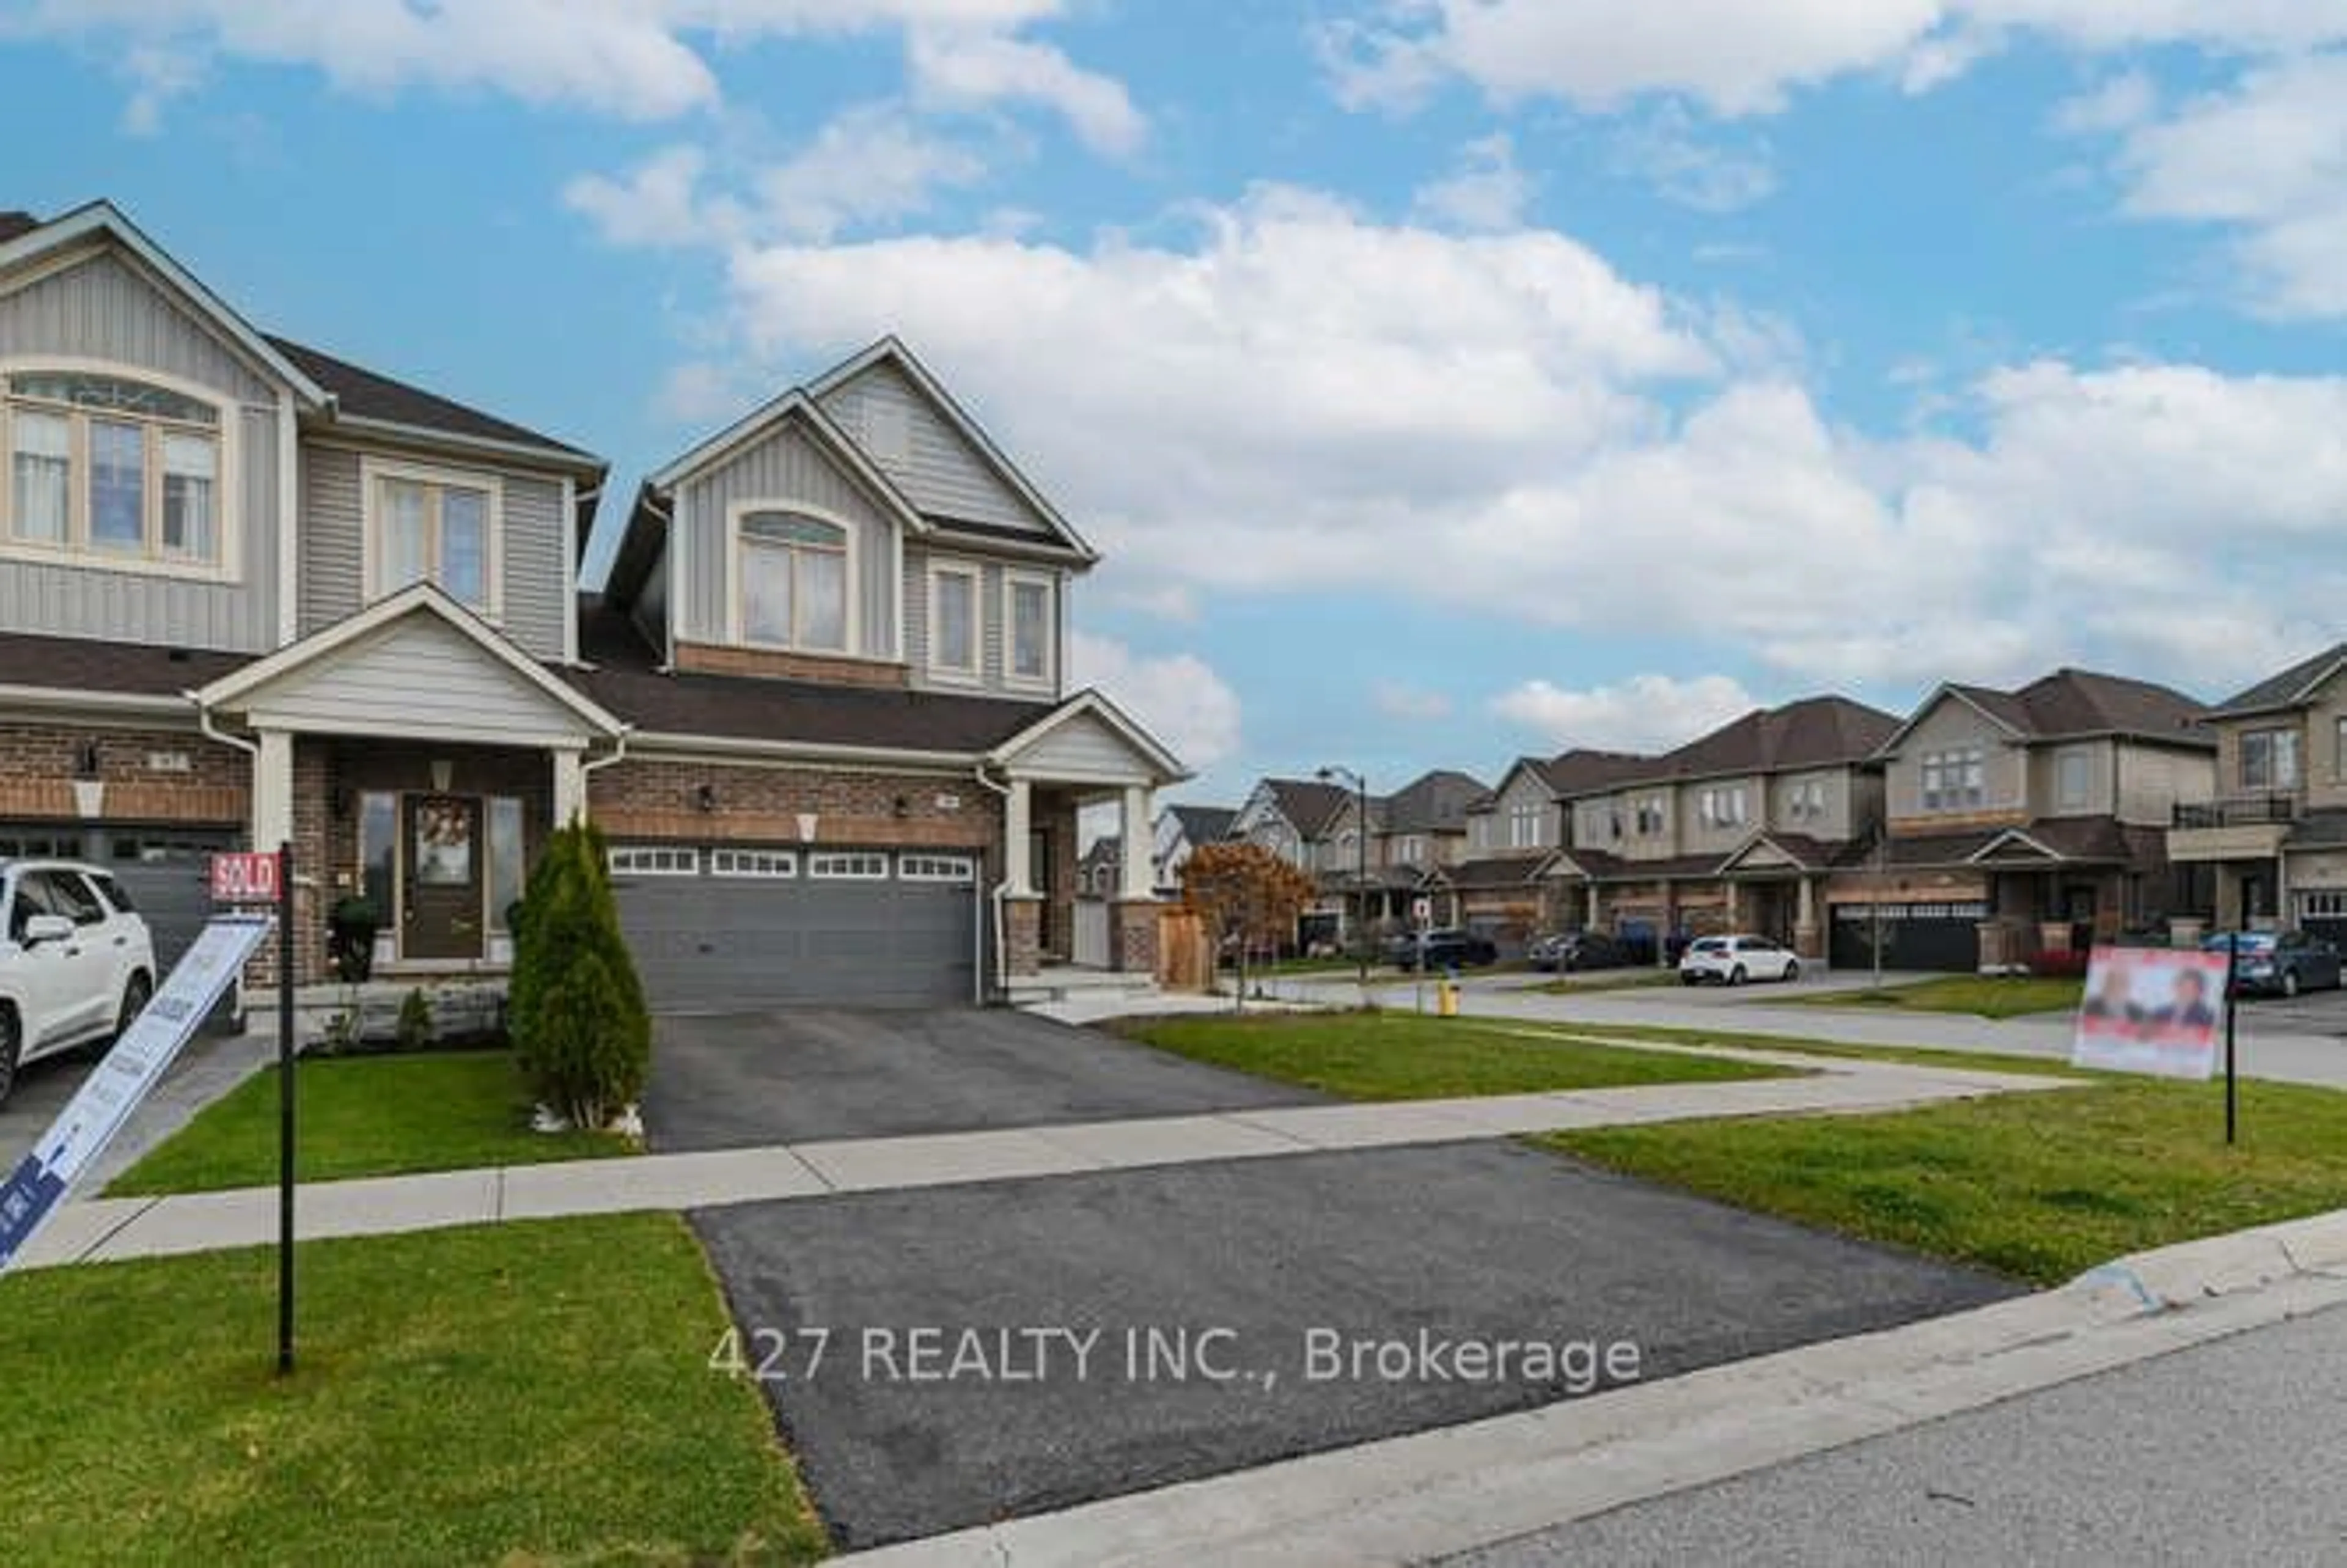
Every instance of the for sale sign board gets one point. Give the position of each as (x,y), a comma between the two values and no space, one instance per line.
(246,877)
(2152,1010)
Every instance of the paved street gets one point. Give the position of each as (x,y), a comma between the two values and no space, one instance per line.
(2231,1452)
(1491,1242)
(759,1079)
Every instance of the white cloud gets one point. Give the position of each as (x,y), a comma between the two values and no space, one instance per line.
(2266,160)
(872,163)
(1302,400)
(1667,150)
(2117,104)
(1643,714)
(1178,698)
(659,202)
(965,69)
(1486,193)
(1736,58)
(1398,700)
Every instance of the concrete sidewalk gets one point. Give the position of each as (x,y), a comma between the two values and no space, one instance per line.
(108,1229)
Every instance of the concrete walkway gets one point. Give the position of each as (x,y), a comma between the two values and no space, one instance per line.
(108,1229)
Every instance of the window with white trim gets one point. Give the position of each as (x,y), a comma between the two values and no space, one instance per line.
(794,579)
(113,468)
(1727,806)
(434,526)
(1524,825)
(1955,780)
(954,620)
(653,860)
(1805,800)
(2073,779)
(848,866)
(2269,759)
(1027,627)
(1651,816)
(937,868)
(759,862)
(2322,905)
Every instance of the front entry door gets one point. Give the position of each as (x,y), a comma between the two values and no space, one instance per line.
(444,877)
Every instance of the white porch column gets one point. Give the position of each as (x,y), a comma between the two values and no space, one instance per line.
(1589,922)
(1805,913)
(1734,896)
(1136,880)
(273,791)
(1018,844)
(569,786)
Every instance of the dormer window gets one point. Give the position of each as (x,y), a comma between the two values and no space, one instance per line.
(793,574)
(119,470)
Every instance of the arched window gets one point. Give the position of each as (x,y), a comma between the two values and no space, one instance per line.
(794,582)
(109,466)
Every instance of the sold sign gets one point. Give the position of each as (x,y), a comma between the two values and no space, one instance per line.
(247,877)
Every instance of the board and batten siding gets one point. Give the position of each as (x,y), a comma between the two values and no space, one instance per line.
(923,454)
(105,312)
(535,570)
(419,676)
(1084,748)
(780,468)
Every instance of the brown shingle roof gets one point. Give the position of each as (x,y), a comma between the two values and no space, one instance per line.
(2082,840)
(1434,803)
(1308,805)
(1815,732)
(78,664)
(745,708)
(13,224)
(1204,823)
(2085,702)
(1585,772)
(370,395)
(1496,871)
(2282,690)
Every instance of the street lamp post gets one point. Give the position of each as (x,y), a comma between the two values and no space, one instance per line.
(1361,863)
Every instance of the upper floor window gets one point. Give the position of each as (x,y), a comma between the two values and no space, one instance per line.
(1409,849)
(1955,780)
(1524,825)
(1727,806)
(110,468)
(953,620)
(2073,779)
(1805,800)
(2269,759)
(1651,816)
(791,574)
(1028,616)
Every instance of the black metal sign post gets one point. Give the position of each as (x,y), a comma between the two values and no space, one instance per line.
(2232,1006)
(284,1109)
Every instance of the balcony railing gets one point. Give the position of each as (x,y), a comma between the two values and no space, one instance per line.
(2240,811)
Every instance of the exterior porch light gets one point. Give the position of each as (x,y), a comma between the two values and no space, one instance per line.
(1330,775)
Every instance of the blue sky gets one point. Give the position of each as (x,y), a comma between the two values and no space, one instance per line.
(1446,379)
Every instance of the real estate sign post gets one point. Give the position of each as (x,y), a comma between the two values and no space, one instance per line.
(2157,1010)
(266,877)
(114,1089)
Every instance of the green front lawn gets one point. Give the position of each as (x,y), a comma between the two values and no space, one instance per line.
(1984,996)
(1607,980)
(1404,1056)
(364,1116)
(2040,1186)
(514,1394)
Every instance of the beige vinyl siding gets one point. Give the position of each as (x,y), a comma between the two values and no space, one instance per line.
(937,469)
(1950,725)
(106,309)
(783,468)
(1084,748)
(421,677)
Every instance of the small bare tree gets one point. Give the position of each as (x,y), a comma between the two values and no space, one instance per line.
(1246,891)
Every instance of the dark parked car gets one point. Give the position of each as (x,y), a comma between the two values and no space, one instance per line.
(1445,949)
(2282,962)
(1568,952)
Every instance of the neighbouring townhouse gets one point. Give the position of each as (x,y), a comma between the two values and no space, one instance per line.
(1415,834)
(1307,823)
(1180,831)
(2269,846)
(2025,822)
(1737,830)
(253,593)
(1497,888)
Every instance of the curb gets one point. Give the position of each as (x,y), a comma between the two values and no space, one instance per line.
(1433,1494)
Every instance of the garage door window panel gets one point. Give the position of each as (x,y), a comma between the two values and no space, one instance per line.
(857,866)
(960,868)
(749,863)
(654,860)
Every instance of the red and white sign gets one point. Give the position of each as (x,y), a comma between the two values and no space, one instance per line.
(247,877)
(2152,1010)
(1421,911)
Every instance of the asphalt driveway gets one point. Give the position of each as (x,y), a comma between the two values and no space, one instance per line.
(742,1080)
(1259,1263)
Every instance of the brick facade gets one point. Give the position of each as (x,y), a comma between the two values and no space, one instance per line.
(650,798)
(41,762)
(708,659)
(1021,918)
(1132,935)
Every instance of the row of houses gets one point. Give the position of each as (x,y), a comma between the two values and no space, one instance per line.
(1981,831)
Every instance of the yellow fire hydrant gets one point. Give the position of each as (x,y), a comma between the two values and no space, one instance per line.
(1446,998)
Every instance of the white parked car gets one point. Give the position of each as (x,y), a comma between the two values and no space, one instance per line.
(76,963)
(1732,961)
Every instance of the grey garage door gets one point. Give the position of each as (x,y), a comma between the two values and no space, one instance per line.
(166,871)
(1943,938)
(732,931)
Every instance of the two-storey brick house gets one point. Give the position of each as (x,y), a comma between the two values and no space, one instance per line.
(1736,830)
(2025,821)
(1514,835)
(250,593)
(2270,842)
